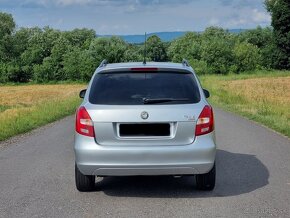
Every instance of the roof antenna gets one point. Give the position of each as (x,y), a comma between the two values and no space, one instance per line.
(145,52)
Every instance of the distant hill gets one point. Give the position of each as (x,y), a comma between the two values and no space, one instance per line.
(164,36)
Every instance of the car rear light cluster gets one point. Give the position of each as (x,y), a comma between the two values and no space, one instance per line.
(84,123)
(205,122)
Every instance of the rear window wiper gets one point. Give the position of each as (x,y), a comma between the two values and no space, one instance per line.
(162,100)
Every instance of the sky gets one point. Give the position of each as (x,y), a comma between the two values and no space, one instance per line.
(123,17)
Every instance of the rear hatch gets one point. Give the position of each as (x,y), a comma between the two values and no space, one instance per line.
(144,108)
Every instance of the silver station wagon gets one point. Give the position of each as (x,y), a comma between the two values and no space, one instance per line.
(141,119)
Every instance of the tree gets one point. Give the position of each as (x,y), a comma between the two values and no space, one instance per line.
(78,65)
(112,49)
(218,55)
(40,46)
(45,54)
(215,32)
(156,50)
(80,37)
(259,36)
(7,26)
(280,11)
(263,38)
(246,56)
(184,47)
(21,40)
(44,72)
(60,48)
(12,44)
(217,50)
(208,52)
(20,43)
(133,53)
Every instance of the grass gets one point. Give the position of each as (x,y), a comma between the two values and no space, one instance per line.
(26,107)
(261,96)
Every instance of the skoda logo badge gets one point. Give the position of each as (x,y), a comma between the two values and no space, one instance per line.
(144,115)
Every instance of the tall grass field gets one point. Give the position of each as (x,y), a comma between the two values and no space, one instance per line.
(263,97)
(25,107)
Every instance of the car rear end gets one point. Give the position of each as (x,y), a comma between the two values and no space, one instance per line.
(144,120)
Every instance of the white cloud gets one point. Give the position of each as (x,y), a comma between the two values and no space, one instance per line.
(131,8)
(138,16)
(214,22)
(47,3)
(260,16)
(247,18)
(236,22)
(72,2)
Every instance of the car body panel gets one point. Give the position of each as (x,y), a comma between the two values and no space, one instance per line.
(195,158)
(182,117)
(180,153)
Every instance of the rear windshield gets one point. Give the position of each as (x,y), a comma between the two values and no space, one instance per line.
(129,88)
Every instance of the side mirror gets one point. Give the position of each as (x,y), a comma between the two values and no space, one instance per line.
(83,93)
(206,93)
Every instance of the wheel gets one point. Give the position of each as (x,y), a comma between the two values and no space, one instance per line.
(84,183)
(206,181)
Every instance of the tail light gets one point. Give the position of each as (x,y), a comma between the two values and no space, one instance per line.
(205,122)
(84,123)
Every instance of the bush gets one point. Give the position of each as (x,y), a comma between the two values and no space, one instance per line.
(44,72)
(133,54)
(78,65)
(112,49)
(218,55)
(246,56)
(200,67)
(181,47)
(3,74)
(13,72)
(156,50)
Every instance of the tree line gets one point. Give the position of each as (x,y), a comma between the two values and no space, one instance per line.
(45,54)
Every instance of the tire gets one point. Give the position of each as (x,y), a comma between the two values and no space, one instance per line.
(84,183)
(206,181)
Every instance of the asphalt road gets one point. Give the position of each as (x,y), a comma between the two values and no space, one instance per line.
(253,178)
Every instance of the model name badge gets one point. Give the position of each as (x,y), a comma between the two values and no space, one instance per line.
(189,117)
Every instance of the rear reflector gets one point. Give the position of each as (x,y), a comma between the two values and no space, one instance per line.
(205,122)
(84,123)
(144,69)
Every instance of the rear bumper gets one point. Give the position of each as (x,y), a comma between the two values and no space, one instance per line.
(195,158)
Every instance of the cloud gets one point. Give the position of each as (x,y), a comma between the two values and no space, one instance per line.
(260,16)
(241,3)
(163,2)
(251,18)
(72,2)
(65,3)
(51,3)
(137,16)
(214,21)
